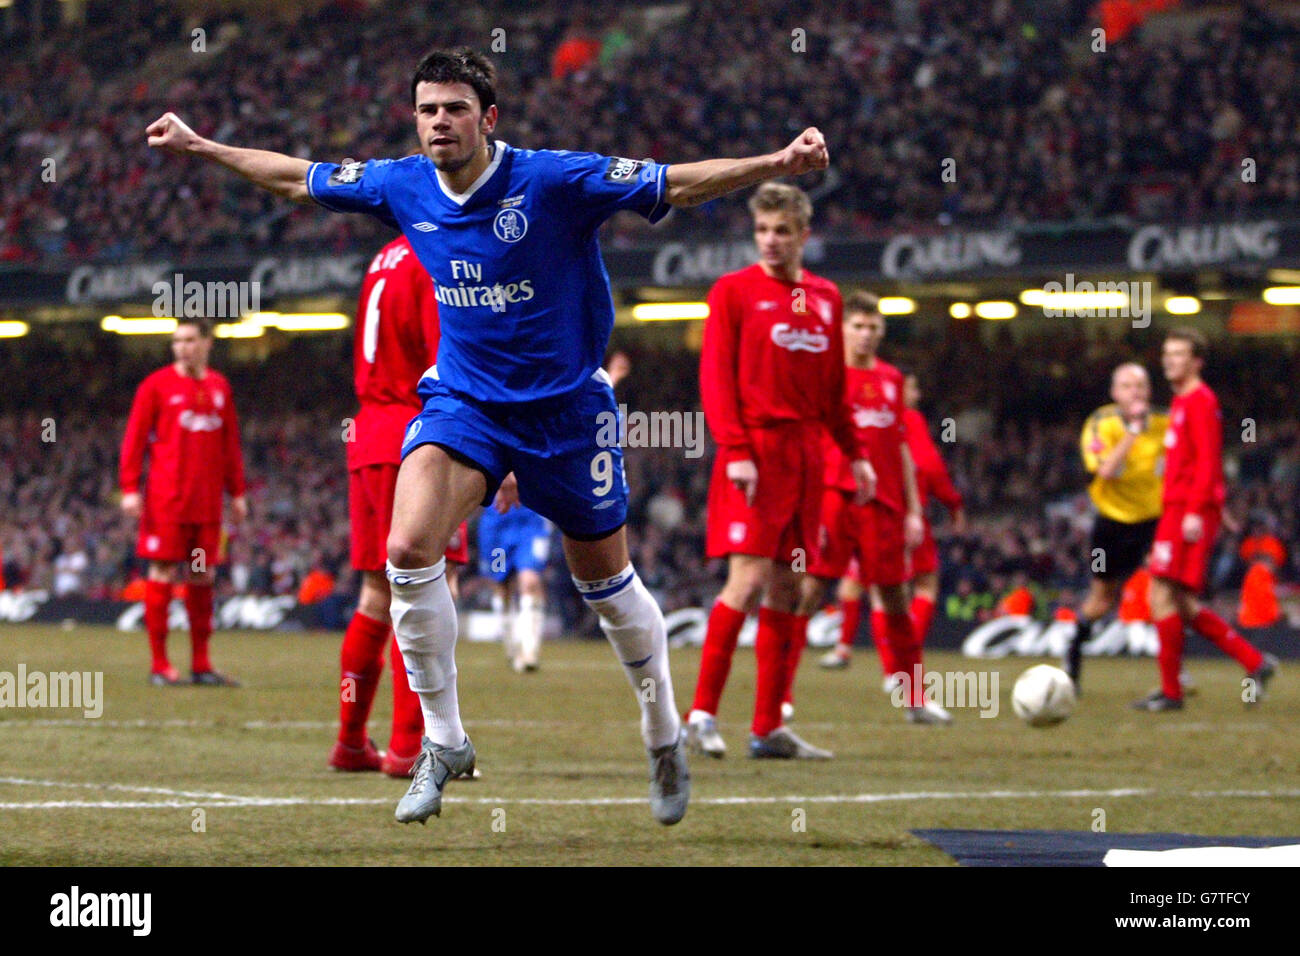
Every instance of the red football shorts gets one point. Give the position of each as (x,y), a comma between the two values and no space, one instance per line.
(839,537)
(1180,561)
(370,506)
(784,516)
(925,559)
(871,533)
(186,541)
(882,556)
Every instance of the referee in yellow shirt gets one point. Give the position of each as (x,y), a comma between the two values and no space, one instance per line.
(1123,448)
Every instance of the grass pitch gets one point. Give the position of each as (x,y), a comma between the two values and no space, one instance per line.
(564,775)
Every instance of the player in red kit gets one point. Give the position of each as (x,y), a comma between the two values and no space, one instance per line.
(1192,504)
(772,381)
(881,532)
(396,341)
(183,417)
(932,480)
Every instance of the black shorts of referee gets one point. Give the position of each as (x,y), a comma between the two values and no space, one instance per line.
(1123,546)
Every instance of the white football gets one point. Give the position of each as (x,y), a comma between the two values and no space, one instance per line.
(1043,695)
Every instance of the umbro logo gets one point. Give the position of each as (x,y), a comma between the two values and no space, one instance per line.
(511,201)
(425,227)
(175,399)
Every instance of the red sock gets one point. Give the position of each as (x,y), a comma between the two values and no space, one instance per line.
(1221,634)
(198,605)
(796,641)
(361,661)
(715,660)
(852,619)
(774,633)
(922,615)
(907,652)
(1170,657)
(157,597)
(889,663)
(408,718)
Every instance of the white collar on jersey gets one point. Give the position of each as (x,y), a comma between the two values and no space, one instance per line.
(460,199)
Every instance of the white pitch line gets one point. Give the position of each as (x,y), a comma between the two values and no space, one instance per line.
(503,723)
(88,722)
(187,804)
(109,805)
(143,724)
(1244,793)
(550,665)
(238,802)
(125,788)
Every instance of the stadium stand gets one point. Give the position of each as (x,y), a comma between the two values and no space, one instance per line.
(899,88)
(1170,118)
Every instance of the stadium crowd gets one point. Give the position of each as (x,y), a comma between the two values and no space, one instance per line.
(1041,129)
(1157,126)
(1007,419)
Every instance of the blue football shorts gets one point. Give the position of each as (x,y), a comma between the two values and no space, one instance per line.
(560,449)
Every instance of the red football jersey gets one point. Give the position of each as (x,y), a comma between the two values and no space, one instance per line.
(396,342)
(189,428)
(773,351)
(874,397)
(1194,450)
(931,473)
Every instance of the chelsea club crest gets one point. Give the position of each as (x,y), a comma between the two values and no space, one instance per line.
(510,225)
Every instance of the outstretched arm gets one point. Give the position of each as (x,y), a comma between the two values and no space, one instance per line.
(690,184)
(283,175)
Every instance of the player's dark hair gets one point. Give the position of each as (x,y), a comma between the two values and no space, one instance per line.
(861,302)
(461,65)
(1193,337)
(201,324)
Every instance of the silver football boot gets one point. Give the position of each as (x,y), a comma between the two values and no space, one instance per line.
(433,768)
(670,782)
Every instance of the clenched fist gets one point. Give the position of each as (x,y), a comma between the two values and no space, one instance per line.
(806,153)
(169,132)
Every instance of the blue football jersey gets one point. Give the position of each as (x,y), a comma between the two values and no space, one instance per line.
(523,295)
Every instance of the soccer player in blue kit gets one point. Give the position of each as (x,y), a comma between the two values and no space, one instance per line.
(513,547)
(509,236)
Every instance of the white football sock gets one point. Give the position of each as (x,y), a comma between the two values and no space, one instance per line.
(424,620)
(528,628)
(635,627)
(499,613)
(503,610)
